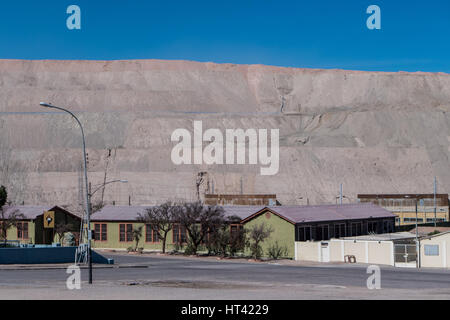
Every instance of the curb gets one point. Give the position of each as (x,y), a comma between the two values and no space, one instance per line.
(19,268)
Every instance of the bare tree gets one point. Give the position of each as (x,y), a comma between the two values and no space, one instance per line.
(227,239)
(257,235)
(200,221)
(161,219)
(7,221)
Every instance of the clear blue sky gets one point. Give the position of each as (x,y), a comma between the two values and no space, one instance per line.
(414,35)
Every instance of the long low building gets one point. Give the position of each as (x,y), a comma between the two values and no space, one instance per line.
(113,225)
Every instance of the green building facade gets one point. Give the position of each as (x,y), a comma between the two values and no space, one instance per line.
(283,231)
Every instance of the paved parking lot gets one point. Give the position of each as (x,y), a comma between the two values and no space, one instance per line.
(161,277)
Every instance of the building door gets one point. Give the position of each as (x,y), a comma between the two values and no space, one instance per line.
(324,252)
(405,255)
(48,236)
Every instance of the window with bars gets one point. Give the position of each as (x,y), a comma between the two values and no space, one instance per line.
(151,233)
(22,230)
(178,234)
(126,232)
(100,232)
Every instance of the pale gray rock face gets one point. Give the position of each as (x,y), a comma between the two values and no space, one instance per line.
(374,132)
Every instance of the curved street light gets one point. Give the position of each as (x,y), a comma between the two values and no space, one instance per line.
(88,212)
(104,184)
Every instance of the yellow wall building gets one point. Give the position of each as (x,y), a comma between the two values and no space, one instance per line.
(404,206)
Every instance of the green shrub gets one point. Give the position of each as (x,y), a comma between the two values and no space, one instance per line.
(276,251)
(190,250)
(177,247)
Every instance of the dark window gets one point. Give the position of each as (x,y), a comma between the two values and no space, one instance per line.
(322,233)
(100,232)
(175,233)
(388,226)
(148,233)
(151,233)
(122,232)
(182,234)
(129,232)
(301,234)
(318,235)
(97,231)
(372,226)
(19,230)
(304,233)
(126,232)
(325,233)
(356,229)
(339,230)
(104,234)
(22,230)
(179,234)
(412,220)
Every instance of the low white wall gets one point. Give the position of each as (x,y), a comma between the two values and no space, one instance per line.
(307,251)
(374,252)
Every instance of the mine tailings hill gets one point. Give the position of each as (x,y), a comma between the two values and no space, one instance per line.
(375,132)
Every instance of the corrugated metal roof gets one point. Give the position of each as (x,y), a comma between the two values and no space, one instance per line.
(118,213)
(29,212)
(241,211)
(130,213)
(296,214)
(304,214)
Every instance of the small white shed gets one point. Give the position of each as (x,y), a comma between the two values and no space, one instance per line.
(435,251)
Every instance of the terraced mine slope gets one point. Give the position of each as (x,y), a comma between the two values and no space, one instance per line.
(374,132)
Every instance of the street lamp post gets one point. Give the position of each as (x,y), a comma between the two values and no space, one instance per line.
(88,211)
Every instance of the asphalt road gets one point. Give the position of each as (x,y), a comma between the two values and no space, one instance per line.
(182,273)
